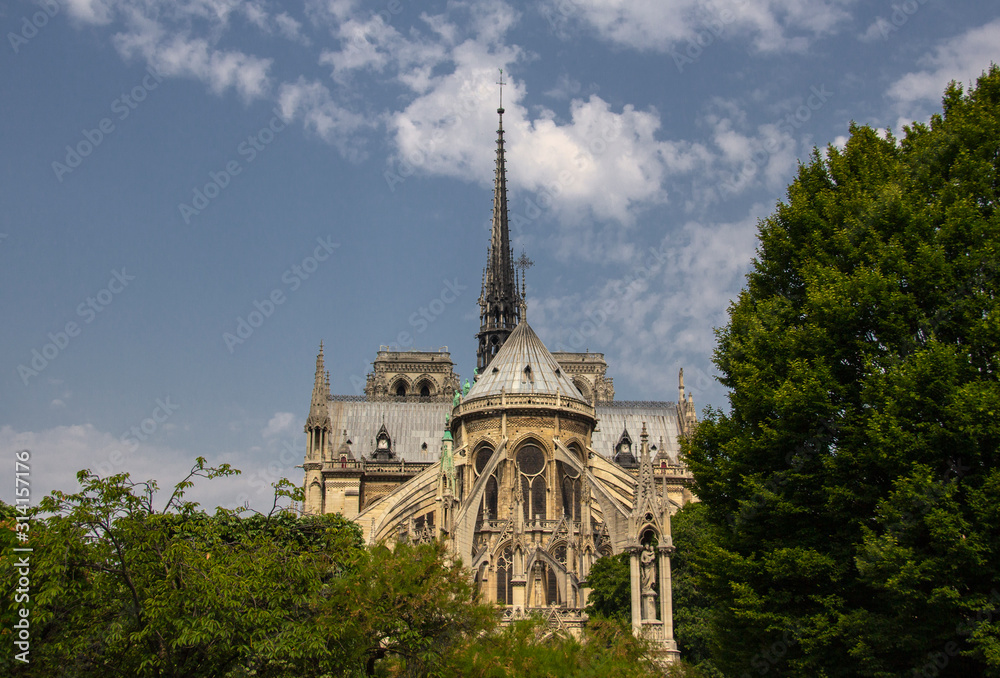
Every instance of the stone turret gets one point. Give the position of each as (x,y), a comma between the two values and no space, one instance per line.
(649,548)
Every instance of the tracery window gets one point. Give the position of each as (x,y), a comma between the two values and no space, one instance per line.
(571,485)
(504,568)
(488,509)
(531,465)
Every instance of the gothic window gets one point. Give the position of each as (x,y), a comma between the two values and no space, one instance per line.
(530,460)
(538,498)
(490,504)
(490,499)
(401,389)
(505,587)
(424,391)
(531,464)
(483,458)
(552,592)
(570,485)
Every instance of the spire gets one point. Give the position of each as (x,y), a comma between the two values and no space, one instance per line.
(318,425)
(500,300)
(321,383)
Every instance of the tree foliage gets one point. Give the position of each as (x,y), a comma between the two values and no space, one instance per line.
(694,538)
(121,588)
(530,649)
(854,481)
(610,589)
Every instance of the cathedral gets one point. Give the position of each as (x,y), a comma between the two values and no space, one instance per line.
(529,473)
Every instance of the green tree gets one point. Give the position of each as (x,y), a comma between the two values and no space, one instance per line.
(122,589)
(694,539)
(854,480)
(610,589)
(530,649)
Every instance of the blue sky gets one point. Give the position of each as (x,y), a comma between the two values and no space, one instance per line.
(169,169)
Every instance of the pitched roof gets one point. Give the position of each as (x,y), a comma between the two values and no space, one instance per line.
(660,419)
(523,365)
(410,424)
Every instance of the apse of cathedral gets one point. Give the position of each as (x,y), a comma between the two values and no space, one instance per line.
(529,471)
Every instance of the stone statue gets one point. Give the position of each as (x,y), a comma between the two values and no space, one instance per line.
(647,561)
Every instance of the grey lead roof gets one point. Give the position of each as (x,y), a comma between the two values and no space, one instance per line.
(523,365)
(661,423)
(410,425)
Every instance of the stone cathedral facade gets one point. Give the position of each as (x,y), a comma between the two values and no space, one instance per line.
(530,472)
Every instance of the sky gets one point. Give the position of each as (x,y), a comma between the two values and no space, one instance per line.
(196,193)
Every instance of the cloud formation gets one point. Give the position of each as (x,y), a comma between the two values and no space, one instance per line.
(666,25)
(962,58)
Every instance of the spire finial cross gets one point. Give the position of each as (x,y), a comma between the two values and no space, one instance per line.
(523,262)
(501,83)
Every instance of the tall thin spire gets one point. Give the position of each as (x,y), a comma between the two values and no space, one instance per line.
(500,300)
(321,385)
(318,425)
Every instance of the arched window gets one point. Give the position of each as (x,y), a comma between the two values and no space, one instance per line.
(531,465)
(552,592)
(425,392)
(490,499)
(505,587)
(570,486)
(401,388)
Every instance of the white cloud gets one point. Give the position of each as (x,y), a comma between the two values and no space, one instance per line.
(603,162)
(166,35)
(962,58)
(177,54)
(281,423)
(880,29)
(58,453)
(313,102)
(660,313)
(664,25)
(89,11)
(290,28)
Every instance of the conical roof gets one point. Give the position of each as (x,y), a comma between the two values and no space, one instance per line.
(523,365)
